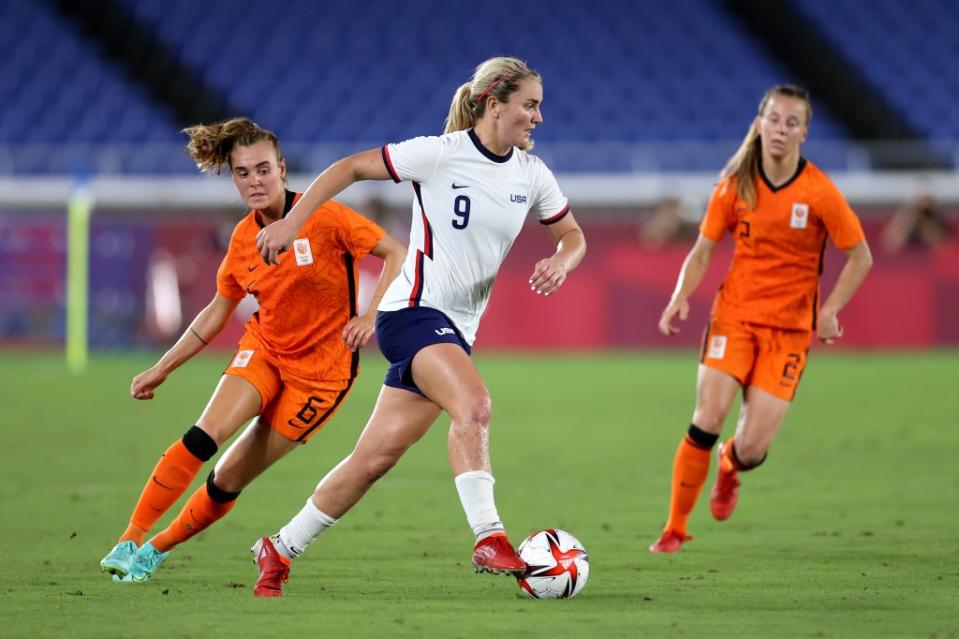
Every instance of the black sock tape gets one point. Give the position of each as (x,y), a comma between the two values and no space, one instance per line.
(199,443)
(700,438)
(218,494)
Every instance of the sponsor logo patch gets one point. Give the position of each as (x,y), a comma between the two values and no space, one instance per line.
(242,359)
(444,331)
(717,347)
(800,216)
(301,248)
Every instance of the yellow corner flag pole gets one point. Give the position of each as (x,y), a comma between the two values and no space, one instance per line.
(78,253)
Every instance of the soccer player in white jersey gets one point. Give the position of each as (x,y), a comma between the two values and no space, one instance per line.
(474,186)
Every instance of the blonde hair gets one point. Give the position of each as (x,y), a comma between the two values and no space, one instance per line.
(210,145)
(744,163)
(496,77)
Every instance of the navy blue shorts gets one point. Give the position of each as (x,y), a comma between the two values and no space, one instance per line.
(404,333)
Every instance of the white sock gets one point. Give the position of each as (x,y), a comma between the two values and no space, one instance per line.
(476,494)
(295,537)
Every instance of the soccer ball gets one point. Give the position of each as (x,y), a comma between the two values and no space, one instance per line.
(558,565)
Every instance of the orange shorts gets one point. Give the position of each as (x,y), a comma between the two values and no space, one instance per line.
(769,358)
(294,406)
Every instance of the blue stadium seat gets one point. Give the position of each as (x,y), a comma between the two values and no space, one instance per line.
(671,62)
(65,90)
(322,71)
(906,51)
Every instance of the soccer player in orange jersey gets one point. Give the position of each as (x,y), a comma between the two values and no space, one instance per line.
(780,209)
(295,363)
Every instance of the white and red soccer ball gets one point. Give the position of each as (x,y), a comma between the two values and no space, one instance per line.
(558,565)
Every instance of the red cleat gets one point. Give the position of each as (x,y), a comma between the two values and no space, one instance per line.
(669,541)
(496,555)
(725,494)
(274,569)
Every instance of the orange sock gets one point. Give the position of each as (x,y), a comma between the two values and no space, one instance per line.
(171,476)
(690,468)
(199,513)
(729,462)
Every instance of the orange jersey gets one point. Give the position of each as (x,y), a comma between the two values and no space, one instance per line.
(774,276)
(306,299)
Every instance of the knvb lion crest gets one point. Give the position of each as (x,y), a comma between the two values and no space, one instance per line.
(800,216)
(301,248)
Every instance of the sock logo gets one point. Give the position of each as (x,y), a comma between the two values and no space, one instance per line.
(161,484)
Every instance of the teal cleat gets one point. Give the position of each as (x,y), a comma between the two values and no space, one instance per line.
(119,561)
(147,560)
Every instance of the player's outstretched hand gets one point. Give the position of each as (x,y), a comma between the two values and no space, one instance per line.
(145,384)
(828,328)
(680,307)
(358,331)
(274,239)
(548,276)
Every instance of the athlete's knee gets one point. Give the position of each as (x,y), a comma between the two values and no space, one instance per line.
(229,477)
(748,455)
(377,466)
(222,489)
(475,411)
(710,416)
(369,467)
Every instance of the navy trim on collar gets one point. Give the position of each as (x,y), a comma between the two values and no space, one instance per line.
(287,205)
(489,154)
(799,169)
(290,196)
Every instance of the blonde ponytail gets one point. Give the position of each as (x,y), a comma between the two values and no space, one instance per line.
(461,115)
(744,164)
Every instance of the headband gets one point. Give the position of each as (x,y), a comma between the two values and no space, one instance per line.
(507,76)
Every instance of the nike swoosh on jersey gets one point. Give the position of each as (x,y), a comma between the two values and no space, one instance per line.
(250,269)
(460,186)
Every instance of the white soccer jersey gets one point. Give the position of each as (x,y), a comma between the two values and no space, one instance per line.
(469,206)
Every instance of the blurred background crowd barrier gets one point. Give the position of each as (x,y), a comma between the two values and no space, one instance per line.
(644,101)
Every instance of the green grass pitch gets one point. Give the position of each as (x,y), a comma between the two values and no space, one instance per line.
(850,529)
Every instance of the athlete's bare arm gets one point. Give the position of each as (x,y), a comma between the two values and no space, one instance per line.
(359,329)
(277,237)
(858,263)
(690,275)
(550,273)
(205,326)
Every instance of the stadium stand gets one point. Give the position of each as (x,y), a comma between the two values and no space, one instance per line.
(65,94)
(623,72)
(905,51)
(676,75)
